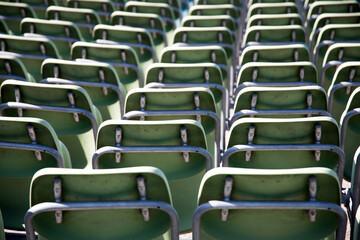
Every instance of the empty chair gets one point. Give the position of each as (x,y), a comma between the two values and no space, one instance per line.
(276,74)
(274,19)
(90,204)
(177,147)
(271,8)
(137,38)
(122,57)
(237,3)
(40,6)
(84,19)
(98,79)
(349,135)
(27,145)
(181,103)
(12,14)
(337,54)
(12,67)
(175,5)
(283,202)
(151,22)
(213,10)
(304,101)
(274,53)
(104,8)
(346,79)
(331,34)
(67,108)
(31,51)
(251,2)
(164,10)
(62,33)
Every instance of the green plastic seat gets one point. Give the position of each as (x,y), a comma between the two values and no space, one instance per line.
(175,5)
(131,203)
(40,6)
(346,79)
(271,8)
(353,194)
(319,7)
(276,74)
(62,33)
(12,14)
(180,103)
(304,101)
(269,204)
(331,18)
(31,51)
(85,19)
(98,79)
(104,8)
(164,10)
(274,19)
(275,53)
(164,75)
(337,54)
(214,10)
(331,34)
(138,38)
(27,145)
(68,108)
(257,35)
(177,147)
(349,131)
(12,67)
(150,21)
(122,57)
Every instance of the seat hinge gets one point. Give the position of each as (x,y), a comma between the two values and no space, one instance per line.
(142,105)
(32,136)
(72,103)
(142,192)
(58,198)
(227,193)
(118,138)
(317,140)
(197,106)
(351,78)
(140,41)
(18,99)
(312,198)
(123,58)
(251,135)
(184,139)
(309,101)
(102,79)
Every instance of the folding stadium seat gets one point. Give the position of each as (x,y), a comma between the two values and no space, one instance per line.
(104,8)
(304,101)
(4,29)
(331,18)
(12,14)
(98,79)
(274,19)
(238,4)
(256,35)
(40,6)
(331,34)
(151,22)
(84,19)
(269,143)
(207,75)
(27,145)
(122,57)
(67,108)
(31,51)
(271,8)
(62,33)
(138,38)
(132,203)
(11,67)
(180,103)
(346,79)
(319,7)
(213,10)
(177,147)
(337,54)
(269,204)
(349,131)
(175,5)
(164,10)
(276,74)
(274,53)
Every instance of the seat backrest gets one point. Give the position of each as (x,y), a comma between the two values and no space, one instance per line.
(98,79)
(104,8)
(104,198)
(31,51)
(280,19)
(12,67)
(62,33)
(213,10)
(175,5)
(40,6)
(211,21)
(27,145)
(85,19)
(68,108)
(12,13)
(234,200)
(138,38)
(271,8)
